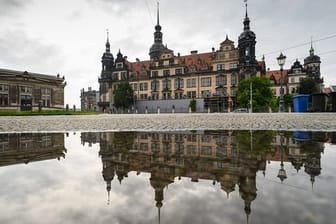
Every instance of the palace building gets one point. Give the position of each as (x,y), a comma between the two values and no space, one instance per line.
(297,72)
(29,91)
(169,81)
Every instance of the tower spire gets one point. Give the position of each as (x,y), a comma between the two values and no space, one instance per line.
(107,41)
(311,51)
(246,8)
(158,13)
(246,20)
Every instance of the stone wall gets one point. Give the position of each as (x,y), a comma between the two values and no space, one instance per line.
(181,106)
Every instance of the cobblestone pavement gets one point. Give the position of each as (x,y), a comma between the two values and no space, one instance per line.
(169,122)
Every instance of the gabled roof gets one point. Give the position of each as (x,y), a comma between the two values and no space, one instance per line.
(197,60)
(139,67)
(276,75)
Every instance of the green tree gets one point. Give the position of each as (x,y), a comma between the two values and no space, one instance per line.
(192,105)
(262,94)
(288,100)
(123,95)
(307,86)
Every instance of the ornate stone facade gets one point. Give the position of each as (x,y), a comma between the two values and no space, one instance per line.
(212,76)
(29,91)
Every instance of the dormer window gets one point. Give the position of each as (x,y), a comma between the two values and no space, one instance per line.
(192,68)
(119,65)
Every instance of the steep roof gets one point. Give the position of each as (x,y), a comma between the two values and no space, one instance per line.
(277,75)
(198,60)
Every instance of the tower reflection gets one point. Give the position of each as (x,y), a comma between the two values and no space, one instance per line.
(229,158)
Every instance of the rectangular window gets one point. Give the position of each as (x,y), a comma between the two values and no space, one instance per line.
(143,96)
(206,82)
(155,96)
(46,101)
(220,67)
(166,84)
(155,74)
(233,80)
(179,95)
(191,94)
(221,80)
(3,99)
(115,76)
(26,89)
(123,75)
(233,66)
(3,88)
(166,73)
(46,97)
(143,86)
(155,85)
(233,92)
(119,65)
(191,150)
(178,71)
(45,91)
(191,83)
(135,87)
(166,96)
(178,83)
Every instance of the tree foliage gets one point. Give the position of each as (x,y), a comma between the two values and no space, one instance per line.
(192,105)
(123,95)
(307,86)
(288,100)
(262,94)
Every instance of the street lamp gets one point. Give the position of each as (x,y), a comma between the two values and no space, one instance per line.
(281,61)
(282,172)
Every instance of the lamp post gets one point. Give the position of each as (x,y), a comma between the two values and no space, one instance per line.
(282,172)
(281,61)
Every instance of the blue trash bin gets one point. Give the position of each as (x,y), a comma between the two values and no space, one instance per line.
(301,103)
(301,135)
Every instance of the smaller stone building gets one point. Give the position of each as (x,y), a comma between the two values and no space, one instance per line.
(30,91)
(89,99)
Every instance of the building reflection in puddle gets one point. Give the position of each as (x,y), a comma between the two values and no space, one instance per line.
(229,158)
(255,170)
(19,148)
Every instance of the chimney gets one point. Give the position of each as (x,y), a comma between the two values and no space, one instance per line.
(137,60)
(213,49)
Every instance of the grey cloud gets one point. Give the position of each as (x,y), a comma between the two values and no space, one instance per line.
(20,52)
(122,8)
(10,6)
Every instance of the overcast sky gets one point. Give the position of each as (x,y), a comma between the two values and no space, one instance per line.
(68,37)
